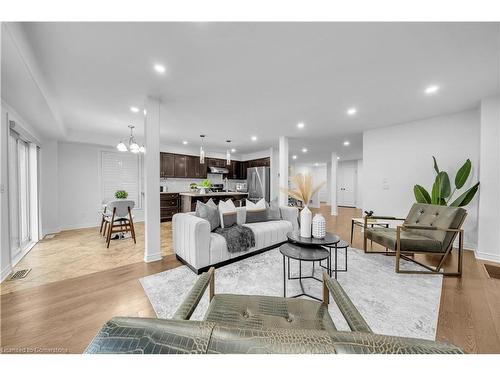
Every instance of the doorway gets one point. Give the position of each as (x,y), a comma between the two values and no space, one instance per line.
(346,185)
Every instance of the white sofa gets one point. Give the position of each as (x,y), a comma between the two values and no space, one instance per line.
(199,248)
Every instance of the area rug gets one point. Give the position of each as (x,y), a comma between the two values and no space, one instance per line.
(391,303)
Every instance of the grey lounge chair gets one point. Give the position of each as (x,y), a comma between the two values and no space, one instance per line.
(428,229)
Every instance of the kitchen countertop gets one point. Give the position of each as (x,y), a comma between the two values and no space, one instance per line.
(216,194)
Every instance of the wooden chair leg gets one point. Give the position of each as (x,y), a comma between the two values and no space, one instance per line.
(110,230)
(102,224)
(131,225)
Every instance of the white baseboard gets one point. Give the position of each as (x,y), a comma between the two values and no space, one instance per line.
(152,258)
(5,272)
(50,231)
(486,256)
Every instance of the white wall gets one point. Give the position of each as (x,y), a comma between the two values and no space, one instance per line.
(359,184)
(395,158)
(79,185)
(489,175)
(318,174)
(49,187)
(256,155)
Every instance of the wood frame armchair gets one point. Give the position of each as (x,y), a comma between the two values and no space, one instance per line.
(437,269)
(428,229)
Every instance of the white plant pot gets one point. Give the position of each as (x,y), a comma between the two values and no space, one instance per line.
(305,222)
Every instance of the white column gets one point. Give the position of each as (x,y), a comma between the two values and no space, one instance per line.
(333,184)
(152,243)
(283,170)
(329,183)
(489,175)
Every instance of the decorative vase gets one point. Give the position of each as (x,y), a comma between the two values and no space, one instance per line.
(305,222)
(318,226)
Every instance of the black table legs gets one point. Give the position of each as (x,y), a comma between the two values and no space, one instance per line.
(287,276)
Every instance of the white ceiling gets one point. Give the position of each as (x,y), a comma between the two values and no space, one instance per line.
(235,80)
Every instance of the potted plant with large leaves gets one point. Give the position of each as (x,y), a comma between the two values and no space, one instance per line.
(442,194)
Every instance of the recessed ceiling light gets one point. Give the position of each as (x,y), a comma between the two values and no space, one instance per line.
(134,109)
(352,111)
(304,150)
(338,157)
(301,125)
(254,138)
(233,150)
(346,143)
(316,164)
(184,142)
(431,89)
(160,68)
(294,157)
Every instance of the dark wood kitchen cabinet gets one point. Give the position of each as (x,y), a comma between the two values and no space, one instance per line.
(189,166)
(234,170)
(169,205)
(167,165)
(262,162)
(242,170)
(213,162)
(180,166)
(194,168)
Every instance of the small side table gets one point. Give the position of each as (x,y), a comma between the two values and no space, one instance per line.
(360,222)
(302,254)
(333,267)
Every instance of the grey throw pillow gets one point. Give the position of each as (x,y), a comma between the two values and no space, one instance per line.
(273,210)
(209,212)
(256,216)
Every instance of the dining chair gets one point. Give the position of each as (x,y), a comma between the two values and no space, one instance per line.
(118,218)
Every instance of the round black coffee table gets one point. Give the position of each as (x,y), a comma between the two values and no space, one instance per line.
(330,241)
(311,253)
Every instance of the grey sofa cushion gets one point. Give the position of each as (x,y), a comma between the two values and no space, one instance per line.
(409,241)
(209,212)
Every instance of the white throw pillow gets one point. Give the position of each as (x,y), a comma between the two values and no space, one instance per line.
(259,206)
(227,211)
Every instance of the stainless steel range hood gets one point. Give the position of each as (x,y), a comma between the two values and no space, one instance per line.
(219,170)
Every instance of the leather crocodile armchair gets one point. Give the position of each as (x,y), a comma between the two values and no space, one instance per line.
(428,229)
(255,324)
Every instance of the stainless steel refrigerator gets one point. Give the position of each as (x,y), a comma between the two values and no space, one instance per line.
(259,183)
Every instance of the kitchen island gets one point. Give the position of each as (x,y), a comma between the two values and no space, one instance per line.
(189,199)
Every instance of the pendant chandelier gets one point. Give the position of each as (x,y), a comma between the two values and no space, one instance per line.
(228,153)
(133,146)
(202,152)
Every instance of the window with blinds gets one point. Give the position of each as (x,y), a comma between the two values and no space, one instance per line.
(121,171)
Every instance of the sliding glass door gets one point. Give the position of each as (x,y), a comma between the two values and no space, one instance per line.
(23,200)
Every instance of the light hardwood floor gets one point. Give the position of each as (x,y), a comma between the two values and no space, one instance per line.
(78,284)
